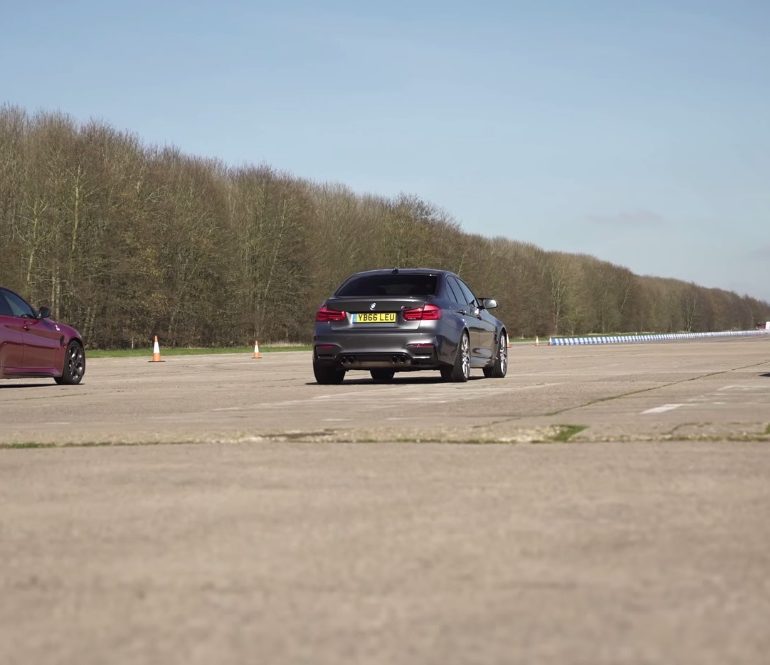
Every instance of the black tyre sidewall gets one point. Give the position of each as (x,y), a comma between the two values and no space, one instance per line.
(382,375)
(456,373)
(328,374)
(67,377)
(495,371)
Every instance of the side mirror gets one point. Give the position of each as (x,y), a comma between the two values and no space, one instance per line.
(488,303)
(44,313)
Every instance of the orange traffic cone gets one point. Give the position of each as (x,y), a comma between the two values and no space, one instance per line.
(156,352)
(257,354)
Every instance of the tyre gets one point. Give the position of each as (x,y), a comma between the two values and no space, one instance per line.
(328,374)
(499,366)
(460,371)
(382,375)
(74,365)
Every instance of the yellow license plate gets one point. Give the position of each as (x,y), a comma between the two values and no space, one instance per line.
(374,317)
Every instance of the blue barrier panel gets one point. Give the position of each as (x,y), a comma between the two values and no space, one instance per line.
(656,337)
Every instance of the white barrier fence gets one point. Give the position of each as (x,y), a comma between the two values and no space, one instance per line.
(661,337)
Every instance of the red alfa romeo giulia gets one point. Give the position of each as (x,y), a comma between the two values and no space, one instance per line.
(32,345)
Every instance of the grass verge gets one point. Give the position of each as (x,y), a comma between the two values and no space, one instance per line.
(565,433)
(196,351)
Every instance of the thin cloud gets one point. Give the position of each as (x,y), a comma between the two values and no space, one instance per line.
(760,253)
(644,219)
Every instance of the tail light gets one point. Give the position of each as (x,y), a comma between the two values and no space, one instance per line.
(325,314)
(424,313)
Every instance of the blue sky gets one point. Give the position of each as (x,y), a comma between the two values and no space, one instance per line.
(635,132)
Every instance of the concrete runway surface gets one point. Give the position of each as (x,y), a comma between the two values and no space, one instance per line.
(266,538)
(718,389)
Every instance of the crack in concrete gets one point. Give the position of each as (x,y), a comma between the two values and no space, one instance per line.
(610,398)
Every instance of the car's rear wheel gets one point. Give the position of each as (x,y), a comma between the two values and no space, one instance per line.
(74,365)
(328,374)
(499,366)
(382,375)
(460,371)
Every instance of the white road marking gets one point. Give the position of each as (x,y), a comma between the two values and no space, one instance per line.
(734,387)
(662,409)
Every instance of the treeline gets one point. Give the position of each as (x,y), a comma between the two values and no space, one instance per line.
(125,241)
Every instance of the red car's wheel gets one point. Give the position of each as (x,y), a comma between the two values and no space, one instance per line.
(74,365)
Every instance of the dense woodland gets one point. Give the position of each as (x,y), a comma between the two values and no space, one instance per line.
(125,241)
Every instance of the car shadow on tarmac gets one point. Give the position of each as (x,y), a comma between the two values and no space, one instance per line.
(412,380)
(28,385)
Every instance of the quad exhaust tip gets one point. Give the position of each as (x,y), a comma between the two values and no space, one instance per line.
(396,359)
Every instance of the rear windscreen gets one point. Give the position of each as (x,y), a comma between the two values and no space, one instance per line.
(390,285)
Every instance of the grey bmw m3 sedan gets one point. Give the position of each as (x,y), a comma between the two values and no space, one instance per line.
(404,320)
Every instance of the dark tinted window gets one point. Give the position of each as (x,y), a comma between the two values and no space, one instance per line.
(453,291)
(401,284)
(18,306)
(470,299)
(5,308)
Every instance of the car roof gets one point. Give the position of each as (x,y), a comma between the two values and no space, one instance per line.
(401,271)
(5,288)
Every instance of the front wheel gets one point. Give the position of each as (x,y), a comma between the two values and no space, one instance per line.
(499,366)
(328,374)
(74,365)
(460,371)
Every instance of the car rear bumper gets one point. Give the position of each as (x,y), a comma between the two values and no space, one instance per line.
(401,351)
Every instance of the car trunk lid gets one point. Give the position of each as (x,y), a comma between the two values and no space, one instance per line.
(375,312)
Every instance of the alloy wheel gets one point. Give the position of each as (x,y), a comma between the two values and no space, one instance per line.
(502,355)
(75,364)
(465,352)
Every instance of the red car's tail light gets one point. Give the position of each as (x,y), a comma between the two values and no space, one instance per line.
(325,314)
(425,313)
